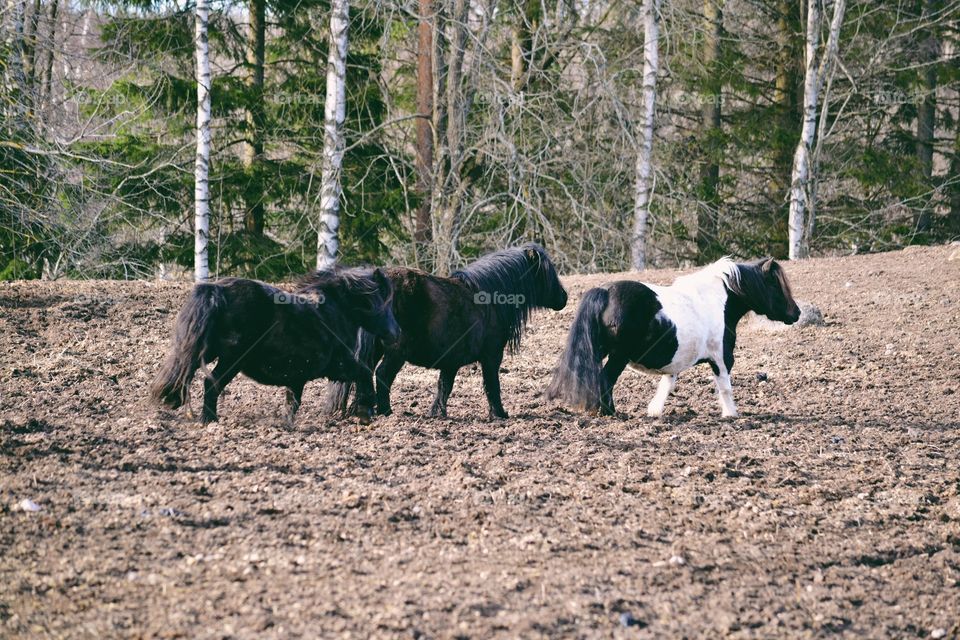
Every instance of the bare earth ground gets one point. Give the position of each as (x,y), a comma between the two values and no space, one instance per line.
(832,507)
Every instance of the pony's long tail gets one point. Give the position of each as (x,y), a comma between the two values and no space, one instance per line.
(190,347)
(578,378)
(338,393)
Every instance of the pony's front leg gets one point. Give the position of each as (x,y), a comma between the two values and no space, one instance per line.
(444,387)
(387,372)
(364,402)
(294,400)
(491,385)
(728,408)
(664,389)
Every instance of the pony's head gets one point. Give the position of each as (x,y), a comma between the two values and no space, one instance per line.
(763,287)
(548,289)
(366,296)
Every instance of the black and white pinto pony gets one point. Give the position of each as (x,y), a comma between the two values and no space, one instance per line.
(664,330)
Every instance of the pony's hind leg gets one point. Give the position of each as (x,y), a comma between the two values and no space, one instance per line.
(491,385)
(294,400)
(387,371)
(664,389)
(213,386)
(444,387)
(611,372)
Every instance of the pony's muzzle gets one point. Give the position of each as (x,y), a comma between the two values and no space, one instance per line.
(392,335)
(560,302)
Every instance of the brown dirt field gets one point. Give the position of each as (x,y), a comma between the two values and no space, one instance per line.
(832,507)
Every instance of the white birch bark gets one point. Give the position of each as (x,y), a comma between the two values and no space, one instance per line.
(334,107)
(201,193)
(802,204)
(14,77)
(644,184)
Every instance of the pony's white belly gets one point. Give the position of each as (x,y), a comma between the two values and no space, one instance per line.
(669,369)
(684,359)
(699,334)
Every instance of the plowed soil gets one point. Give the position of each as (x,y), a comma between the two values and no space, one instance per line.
(831,507)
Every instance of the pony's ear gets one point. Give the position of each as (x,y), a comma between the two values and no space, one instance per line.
(379,277)
(768,265)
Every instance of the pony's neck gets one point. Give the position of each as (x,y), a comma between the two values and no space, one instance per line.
(335,315)
(502,280)
(735,308)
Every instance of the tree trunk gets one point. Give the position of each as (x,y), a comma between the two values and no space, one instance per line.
(46,64)
(644,184)
(786,83)
(13,71)
(253,219)
(201,195)
(801,157)
(927,112)
(802,186)
(708,222)
(328,241)
(30,27)
(529,14)
(424,159)
(449,187)
(953,217)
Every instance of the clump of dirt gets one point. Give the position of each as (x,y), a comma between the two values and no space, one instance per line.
(832,505)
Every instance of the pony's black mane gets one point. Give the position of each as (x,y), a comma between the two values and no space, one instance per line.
(509,272)
(749,283)
(354,280)
(336,276)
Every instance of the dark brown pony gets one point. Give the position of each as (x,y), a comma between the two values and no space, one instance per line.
(446,323)
(273,336)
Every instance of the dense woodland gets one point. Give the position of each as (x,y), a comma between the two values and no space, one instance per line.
(471,125)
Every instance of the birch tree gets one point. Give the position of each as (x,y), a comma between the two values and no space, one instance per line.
(802,203)
(333,143)
(644,184)
(201,194)
(13,69)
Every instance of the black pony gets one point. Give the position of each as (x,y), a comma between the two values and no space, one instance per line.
(446,323)
(665,330)
(274,337)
